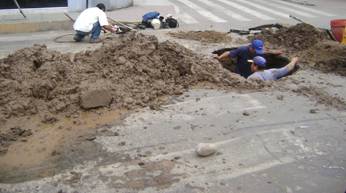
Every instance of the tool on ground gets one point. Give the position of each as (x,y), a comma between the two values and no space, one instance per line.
(255,30)
(68,16)
(296,18)
(122,24)
(20,10)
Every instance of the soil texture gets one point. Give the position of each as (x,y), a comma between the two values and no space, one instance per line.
(327,56)
(294,38)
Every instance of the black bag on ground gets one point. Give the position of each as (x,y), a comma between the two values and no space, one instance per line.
(171,22)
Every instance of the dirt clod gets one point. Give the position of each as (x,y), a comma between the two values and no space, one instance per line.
(313,111)
(49,118)
(95,95)
(246,113)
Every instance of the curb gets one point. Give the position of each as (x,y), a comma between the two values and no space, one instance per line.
(6,28)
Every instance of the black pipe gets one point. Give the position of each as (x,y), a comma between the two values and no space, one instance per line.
(87,4)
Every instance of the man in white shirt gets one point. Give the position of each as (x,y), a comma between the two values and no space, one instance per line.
(91,21)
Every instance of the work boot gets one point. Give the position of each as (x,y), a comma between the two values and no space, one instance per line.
(97,40)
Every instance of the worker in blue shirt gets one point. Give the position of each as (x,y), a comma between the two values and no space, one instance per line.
(258,67)
(243,54)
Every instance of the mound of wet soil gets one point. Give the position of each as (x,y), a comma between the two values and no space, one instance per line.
(327,56)
(131,71)
(203,36)
(296,38)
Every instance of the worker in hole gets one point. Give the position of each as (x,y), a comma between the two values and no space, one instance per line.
(245,53)
(258,67)
(92,21)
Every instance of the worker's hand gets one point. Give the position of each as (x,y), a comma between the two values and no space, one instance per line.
(216,56)
(295,60)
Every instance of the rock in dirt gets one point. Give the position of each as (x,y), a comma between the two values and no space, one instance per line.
(95,95)
(138,70)
(49,118)
(205,149)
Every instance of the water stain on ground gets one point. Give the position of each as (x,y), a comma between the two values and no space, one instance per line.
(156,174)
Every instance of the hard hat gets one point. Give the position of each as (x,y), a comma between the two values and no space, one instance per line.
(156,23)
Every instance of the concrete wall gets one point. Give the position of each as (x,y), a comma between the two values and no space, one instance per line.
(79,5)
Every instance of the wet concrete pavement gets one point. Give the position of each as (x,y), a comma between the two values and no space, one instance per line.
(267,142)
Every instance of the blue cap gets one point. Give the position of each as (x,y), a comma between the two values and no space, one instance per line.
(260,61)
(258,46)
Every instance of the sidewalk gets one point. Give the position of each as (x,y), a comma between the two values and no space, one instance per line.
(11,21)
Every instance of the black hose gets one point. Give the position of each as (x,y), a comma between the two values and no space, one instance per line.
(57,39)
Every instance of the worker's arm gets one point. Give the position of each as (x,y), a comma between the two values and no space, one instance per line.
(284,71)
(109,28)
(104,22)
(223,56)
(292,64)
(229,54)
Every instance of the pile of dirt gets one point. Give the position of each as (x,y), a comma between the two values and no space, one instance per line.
(297,37)
(127,72)
(327,56)
(203,36)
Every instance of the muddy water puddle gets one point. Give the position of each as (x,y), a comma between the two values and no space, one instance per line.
(53,147)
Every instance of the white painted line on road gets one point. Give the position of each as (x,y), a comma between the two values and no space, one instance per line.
(290,10)
(209,15)
(269,10)
(247,10)
(307,9)
(176,8)
(183,17)
(224,10)
(186,18)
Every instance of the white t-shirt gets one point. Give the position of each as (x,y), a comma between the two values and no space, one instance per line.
(88,18)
